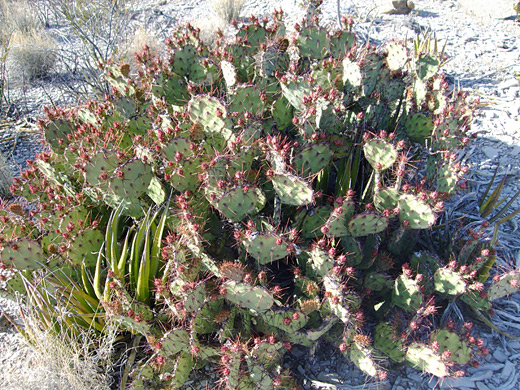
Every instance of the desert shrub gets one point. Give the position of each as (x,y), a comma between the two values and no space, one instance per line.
(102,26)
(227,10)
(59,360)
(33,54)
(224,205)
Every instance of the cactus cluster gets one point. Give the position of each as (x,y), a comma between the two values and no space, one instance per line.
(227,203)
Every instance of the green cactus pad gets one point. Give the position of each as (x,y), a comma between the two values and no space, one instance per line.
(309,337)
(173,88)
(320,261)
(337,222)
(506,285)
(254,298)
(386,199)
(367,223)
(238,203)
(447,178)
(100,163)
(387,341)
(247,98)
(282,112)
(449,282)
(427,66)
(286,320)
(211,114)
(312,221)
(189,180)
(313,42)
(264,248)
(353,247)
(174,341)
(85,247)
(183,60)
(185,364)
(204,320)
(362,358)
(292,190)
(56,133)
(352,76)
(418,128)
(135,327)
(407,294)
(450,341)
(377,282)
(397,56)
(15,285)
(23,255)
(414,210)
(424,358)
(341,43)
(194,299)
(136,177)
(312,159)
(177,144)
(380,154)
(294,92)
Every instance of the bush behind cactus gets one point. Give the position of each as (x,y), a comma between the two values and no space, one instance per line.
(226,204)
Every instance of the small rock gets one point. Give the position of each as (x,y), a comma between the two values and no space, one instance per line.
(490,152)
(491,366)
(481,375)
(507,370)
(415,377)
(331,378)
(482,386)
(500,356)
(458,383)
(515,344)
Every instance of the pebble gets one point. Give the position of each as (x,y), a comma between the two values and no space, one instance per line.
(507,370)
(500,355)
(482,386)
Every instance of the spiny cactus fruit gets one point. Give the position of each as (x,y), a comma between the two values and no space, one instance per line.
(226,203)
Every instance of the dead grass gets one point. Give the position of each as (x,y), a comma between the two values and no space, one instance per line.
(61,362)
(30,51)
(33,54)
(228,10)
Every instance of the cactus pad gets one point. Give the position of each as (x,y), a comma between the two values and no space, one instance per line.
(418,214)
(507,284)
(449,282)
(23,255)
(251,297)
(239,202)
(424,358)
(266,247)
(407,294)
(460,352)
(292,190)
(380,154)
(367,223)
(174,341)
(418,128)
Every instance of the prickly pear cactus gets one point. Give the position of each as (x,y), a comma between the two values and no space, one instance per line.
(226,203)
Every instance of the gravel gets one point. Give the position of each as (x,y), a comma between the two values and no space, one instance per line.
(482,41)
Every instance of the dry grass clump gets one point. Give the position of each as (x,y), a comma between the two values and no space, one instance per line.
(141,38)
(33,53)
(6,178)
(63,362)
(29,50)
(228,10)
